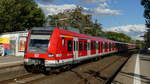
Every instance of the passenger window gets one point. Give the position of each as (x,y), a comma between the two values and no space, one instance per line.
(96,45)
(77,45)
(99,45)
(85,45)
(74,43)
(80,46)
(88,46)
(106,45)
(109,45)
(69,45)
(93,45)
(102,44)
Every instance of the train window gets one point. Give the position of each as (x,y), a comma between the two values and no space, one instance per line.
(76,45)
(88,46)
(99,45)
(85,45)
(69,45)
(103,45)
(116,45)
(110,46)
(93,45)
(80,46)
(96,45)
(63,42)
(106,45)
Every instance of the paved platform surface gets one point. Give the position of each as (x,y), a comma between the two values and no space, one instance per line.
(6,61)
(135,71)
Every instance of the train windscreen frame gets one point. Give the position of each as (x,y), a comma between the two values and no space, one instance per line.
(39,41)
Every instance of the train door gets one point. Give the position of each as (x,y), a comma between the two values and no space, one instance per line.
(64,47)
(75,52)
(99,47)
(89,48)
(102,47)
(110,46)
(81,49)
(69,47)
(93,47)
(106,47)
(85,48)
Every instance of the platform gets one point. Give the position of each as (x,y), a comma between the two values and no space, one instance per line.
(6,61)
(135,71)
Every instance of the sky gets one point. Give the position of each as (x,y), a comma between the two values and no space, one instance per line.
(112,14)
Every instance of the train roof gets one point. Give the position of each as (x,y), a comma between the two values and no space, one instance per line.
(76,34)
(83,36)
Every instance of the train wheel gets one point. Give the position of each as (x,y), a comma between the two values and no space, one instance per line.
(46,72)
(28,68)
(65,68)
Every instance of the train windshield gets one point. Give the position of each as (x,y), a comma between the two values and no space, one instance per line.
(39,41)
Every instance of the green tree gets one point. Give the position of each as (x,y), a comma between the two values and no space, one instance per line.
(146,4)
(17,15)
(118,36)
(75,18)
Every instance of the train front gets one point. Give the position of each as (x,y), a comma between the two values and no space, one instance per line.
(38,42)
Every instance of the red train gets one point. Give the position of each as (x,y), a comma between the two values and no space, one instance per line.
(48,48)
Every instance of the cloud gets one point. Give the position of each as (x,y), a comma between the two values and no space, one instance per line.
(55,9)
(103,5)
(91,1)
(45,0)
(135,31)
(101,11)
(82,1)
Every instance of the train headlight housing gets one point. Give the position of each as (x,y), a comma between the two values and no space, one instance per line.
(26,60)
(50,55)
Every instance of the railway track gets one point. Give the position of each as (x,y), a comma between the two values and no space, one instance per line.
(99,72)
(103,75)
(25,78)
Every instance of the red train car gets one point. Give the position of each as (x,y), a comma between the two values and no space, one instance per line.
(55,47)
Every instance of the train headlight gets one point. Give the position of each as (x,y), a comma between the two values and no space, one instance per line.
(26,60)
(50,55)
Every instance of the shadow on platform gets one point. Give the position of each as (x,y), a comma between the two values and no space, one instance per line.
(144,52)
(144,79)
(145,58)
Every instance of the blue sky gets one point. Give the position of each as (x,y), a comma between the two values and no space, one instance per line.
(124,16)
(130,11)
